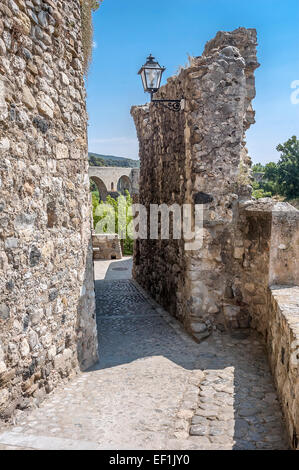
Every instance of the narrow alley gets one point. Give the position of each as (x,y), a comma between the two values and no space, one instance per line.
(154,387)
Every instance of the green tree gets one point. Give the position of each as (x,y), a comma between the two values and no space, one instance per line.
(94,161)
(121,223)
(95,203)
(270,171)
(93,187)
(258,192)
(288,168)
(258,168)
(270,184)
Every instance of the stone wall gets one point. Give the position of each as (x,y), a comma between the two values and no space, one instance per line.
(270,234)
(106,246)
(270,293)
(283,349)
(198,156)
(47,319)
(159,264)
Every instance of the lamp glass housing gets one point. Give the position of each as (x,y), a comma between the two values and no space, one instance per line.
(151,75)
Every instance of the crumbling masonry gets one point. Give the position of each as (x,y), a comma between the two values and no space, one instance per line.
(47,324)
(246,273)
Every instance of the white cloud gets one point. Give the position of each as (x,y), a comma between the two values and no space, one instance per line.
(94,44)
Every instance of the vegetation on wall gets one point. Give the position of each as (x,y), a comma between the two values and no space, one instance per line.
(282,178)
(87,7)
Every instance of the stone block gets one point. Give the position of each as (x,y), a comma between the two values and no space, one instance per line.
(28,98)
(62,151)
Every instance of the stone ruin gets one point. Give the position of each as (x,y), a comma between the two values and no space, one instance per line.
(106,246)
(246,274)
(47,301)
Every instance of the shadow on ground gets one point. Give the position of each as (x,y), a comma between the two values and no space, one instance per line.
(121,269)
(236,397)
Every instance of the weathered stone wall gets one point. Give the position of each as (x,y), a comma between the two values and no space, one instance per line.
(47,324)
(159,264)
(247,271)
(198,156)
(283,349)
(106,246)
(270,293)
(270,234)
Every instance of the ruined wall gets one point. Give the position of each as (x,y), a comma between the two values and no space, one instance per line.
(106,246)
(198,156)
(47,324)
(246,274)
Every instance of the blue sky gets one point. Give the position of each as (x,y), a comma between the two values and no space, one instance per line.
(126,31)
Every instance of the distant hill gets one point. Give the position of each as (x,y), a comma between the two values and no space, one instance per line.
(96,159)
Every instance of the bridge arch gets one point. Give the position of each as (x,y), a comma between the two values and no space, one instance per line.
(115,179)
(124,184)
(103,191)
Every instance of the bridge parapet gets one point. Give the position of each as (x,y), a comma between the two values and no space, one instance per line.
(115,179)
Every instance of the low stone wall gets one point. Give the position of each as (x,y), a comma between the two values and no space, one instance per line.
(283,348)
(268,234)
(269,292)
(106,247)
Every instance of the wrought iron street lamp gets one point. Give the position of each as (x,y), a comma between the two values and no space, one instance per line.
(151,74)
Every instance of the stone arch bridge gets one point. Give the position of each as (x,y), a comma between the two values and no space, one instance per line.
(110,180)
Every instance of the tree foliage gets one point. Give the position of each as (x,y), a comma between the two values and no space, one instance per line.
(110,160)
(108,211)
(259,192)
(95,161)
(288,168)
(280,178)
(94,189)
(258,168)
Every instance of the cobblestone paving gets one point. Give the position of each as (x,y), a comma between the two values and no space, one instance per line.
(156,388)
(237,406)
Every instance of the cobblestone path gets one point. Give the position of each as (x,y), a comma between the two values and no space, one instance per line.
(155,388)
